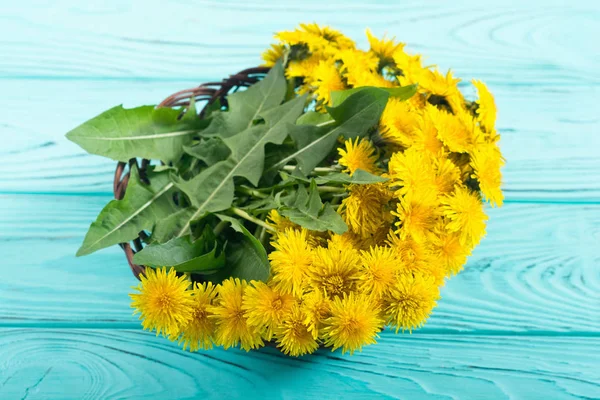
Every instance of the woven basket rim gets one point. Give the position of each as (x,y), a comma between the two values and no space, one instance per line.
(209,92)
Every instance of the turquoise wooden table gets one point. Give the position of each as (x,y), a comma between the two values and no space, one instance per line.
(521,322)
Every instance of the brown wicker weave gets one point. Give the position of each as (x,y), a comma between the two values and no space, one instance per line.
(209,92)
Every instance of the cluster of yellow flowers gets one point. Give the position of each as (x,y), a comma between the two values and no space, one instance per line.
(439,154)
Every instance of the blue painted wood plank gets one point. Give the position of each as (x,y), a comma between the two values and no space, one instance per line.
(512,43)
(537,60)
(521,322)
(537,270)
(122,364)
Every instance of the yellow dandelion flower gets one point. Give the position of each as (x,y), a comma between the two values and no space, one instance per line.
(163,301)
(358,154)
(376,238)
(340,242)
(454,131)
(355,62)
(412,171)
(448,249)
(279,222)
(437,84)
(486,110)
(362,78)
(290,261)
(417,216)
(198,332)
(410,65)
(384,48)
(462,161)
(410,302)
(464,211)
(378,272)
(348,239)
(317,239)
(366,209)
(313,40)
(316,307)
(326,78)
(303,68)
(331,35)
(418,101)
(398,121)
(354,323)
(231,324)
(333,271)
(293,336)
(272,55)
(486,161)
(425,133)
(265,307)
(447,175)
(413,256)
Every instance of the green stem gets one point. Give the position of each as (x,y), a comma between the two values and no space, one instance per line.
(263,236)
(219,228)
(316,170)
(326,123)
(251,192)
(193,164)
(248,217)
(331,189)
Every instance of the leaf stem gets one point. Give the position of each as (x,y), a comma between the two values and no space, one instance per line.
(263,236)
(251,192)
(219,228)
(316,169)
(248,217)
(332,121)
(331,189)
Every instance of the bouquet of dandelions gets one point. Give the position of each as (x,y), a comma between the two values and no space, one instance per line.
(326,201)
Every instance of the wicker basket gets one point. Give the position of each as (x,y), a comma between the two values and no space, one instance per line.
(208,92)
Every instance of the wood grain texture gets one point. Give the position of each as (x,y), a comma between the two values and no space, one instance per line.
(535,58)
(536,43)
(537,270)
(78,364)
(521,322)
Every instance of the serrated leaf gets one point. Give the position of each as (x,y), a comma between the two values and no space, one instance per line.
(167,228)
(401,93)
(121,220)
(182,254)
(246,257)
(212,189)
(210,150)
(353,118)
(308,211)
(273,154)
(359,177)
(248,105)
(146,132)
(314,118)
(261,205)
(238,226)
(362,108)
(295,175)
(314,144)
(242,261)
